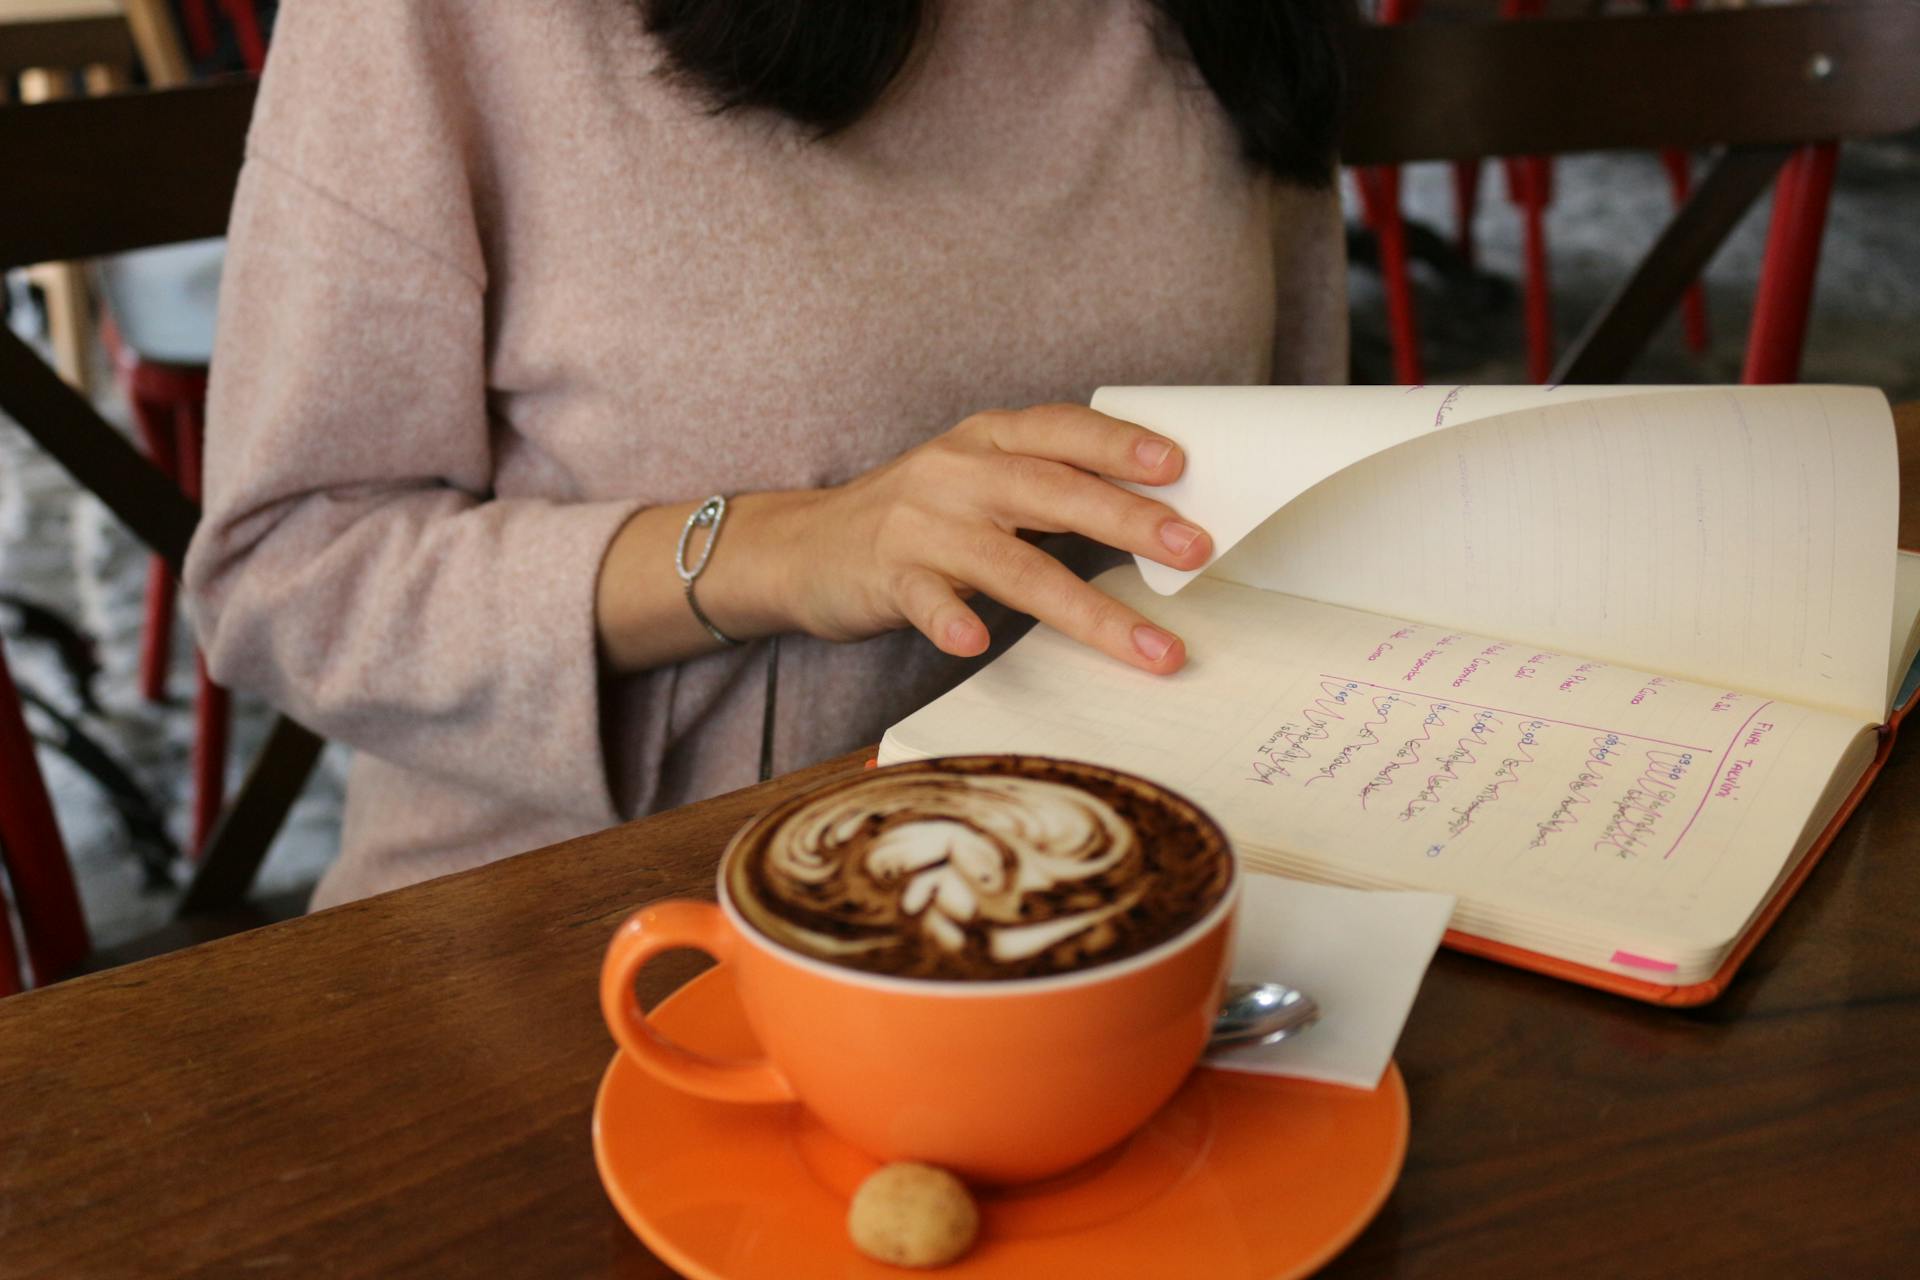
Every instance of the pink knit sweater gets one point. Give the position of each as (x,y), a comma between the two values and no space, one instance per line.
(494,284)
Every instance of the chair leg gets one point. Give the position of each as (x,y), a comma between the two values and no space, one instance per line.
(196,23)
(1539,298)
(212,710)
(246,33)
(1779,333)
(1403,321)
(156,641)
(55,929)
(158,41)
(65,290)
(211,719)
(1530,187)
(61,283)
(155,422)
(1380,194)
(1466,201)
(1693,303)
(12,981)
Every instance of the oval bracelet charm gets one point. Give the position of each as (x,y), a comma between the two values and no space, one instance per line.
(708,516)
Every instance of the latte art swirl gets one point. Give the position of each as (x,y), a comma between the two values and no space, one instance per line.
(928,873)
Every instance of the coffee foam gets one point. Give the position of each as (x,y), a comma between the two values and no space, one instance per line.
(979,874)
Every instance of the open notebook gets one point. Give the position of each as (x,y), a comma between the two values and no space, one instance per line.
(1608,664)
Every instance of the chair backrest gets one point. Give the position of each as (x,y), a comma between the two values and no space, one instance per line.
(185,146)
(1776,75)
(1755,82)
(162,168)
(55,48)
(66,36)
(75,34)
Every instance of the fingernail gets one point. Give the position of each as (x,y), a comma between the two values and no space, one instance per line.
(960,634)
(1178,537)
(1152,643)
(1152,451)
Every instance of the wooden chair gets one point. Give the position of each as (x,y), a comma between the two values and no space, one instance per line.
(185,147)
(1761,85)
(159,325)
(47,44)
(83,33)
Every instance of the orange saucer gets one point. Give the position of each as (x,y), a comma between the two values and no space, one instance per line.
(1239,1177)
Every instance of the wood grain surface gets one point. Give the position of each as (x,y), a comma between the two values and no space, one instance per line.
(402,1086)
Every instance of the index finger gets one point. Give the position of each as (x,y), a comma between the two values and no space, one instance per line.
(1026,578)
(1091,440)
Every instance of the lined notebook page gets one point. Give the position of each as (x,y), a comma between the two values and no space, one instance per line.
(1734,535)
(1252,450)
(1556,795)
(1905,644)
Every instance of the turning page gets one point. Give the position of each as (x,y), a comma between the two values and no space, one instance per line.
(1739,536)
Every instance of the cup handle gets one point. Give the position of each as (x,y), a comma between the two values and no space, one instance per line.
(645,935)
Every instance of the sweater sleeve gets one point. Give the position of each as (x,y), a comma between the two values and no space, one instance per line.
(353,565)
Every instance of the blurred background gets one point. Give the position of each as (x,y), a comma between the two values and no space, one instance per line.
(116,734)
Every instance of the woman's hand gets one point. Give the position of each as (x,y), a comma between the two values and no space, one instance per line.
(908,542)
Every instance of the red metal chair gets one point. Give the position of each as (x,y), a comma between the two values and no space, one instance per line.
(63,212)
(1379,189)
(37,884)
(35,858)
(245,23)
(1529,187)
(1693,304)
(1767,87)
(1784,295)
(162,304)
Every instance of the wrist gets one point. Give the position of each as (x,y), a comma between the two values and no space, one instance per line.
(746,585)
(753,585)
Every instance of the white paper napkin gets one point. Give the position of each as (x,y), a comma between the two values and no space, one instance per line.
(1359,953)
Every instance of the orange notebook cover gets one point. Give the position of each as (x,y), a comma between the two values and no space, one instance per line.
(1698,993)
(1694,993)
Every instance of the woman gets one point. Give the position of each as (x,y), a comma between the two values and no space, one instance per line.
(513,289)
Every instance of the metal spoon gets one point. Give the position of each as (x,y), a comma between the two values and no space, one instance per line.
(1260,1013)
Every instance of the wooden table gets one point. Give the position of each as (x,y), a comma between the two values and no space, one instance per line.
(401,1087)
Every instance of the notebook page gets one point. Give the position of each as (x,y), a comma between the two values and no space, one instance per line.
(1906,623)
(1742,535)
(1547,791)
(1252,450)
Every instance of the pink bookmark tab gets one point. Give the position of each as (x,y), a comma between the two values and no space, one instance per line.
(1643,962)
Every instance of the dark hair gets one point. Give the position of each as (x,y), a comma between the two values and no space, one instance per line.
(1273,65)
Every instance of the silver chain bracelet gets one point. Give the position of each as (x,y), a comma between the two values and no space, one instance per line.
(708,516)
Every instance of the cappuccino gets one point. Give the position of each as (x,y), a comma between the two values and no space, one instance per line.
(980,868)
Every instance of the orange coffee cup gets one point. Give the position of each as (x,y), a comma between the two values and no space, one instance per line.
(1000,1080)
